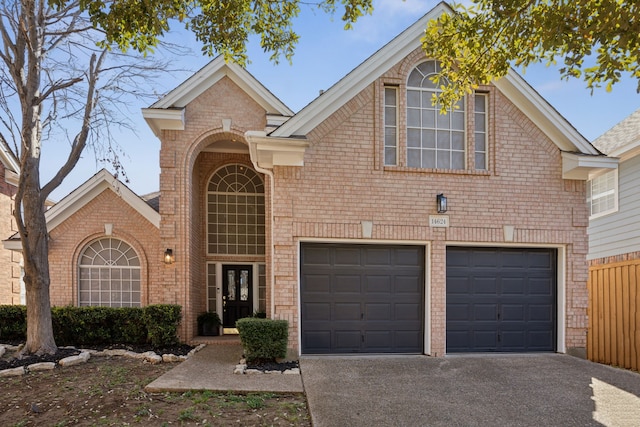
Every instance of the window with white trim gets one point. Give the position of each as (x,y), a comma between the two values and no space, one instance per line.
(109,272)
(480,131)
(602,194)
(434,140)
(390,126)
(235,212)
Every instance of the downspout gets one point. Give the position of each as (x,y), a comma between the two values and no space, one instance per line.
(254,159)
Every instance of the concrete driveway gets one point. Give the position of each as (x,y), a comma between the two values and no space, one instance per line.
(495,390)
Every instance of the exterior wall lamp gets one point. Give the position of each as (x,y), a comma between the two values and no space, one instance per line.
(168,256)
(441,201)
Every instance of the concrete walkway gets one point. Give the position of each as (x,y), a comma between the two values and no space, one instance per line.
(212,369)
(493,390)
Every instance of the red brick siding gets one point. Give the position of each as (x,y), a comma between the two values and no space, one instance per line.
(70,238)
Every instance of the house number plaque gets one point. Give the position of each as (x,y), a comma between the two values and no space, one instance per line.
(439,221)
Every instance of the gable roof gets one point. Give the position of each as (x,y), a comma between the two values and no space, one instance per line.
(622,140)
(81,196)
(514,87)
(168,112)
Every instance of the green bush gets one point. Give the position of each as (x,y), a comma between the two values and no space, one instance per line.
(157,324)
(162,322)
(263,339)
(13,322)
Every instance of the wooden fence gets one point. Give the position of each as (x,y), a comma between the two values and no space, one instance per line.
(614,314)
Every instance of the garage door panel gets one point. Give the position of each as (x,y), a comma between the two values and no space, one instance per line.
(541,286)
(484,285)
(347,257)
(375,256)
(347,341)
(346,311)
(522,305)
(317,256)
(378,284)
(317,311)
(541,312)
(317,341)
(409,284)
(377,306)
(346,283)
(320,283)
(409,312)
(378,312)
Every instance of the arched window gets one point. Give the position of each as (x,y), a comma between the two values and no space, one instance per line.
(235,212)
(109,271)
(434,140)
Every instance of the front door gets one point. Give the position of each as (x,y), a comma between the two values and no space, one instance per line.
(237,294)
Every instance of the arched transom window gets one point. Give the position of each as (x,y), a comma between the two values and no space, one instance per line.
(235,212)
(109,274)
(433,140)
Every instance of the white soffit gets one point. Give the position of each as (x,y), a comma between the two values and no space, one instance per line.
(82,195)
(580,166)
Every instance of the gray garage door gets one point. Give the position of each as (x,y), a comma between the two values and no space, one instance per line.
(361,298)
(501,299)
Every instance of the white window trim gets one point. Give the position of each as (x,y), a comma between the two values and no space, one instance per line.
(615,191)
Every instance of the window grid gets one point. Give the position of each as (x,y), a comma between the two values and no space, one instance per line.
(109,271)
(390,126)
(601,194)
(434,140)
(235,212)
(211,287)
(480,131)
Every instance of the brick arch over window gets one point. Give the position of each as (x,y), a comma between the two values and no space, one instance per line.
(109,274)
(235,212)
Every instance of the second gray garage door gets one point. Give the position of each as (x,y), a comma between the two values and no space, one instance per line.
(501,299)
(361,298)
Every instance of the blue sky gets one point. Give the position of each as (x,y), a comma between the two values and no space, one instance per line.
(325,54)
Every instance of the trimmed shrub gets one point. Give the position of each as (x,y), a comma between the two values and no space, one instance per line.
(162,322)
(13,322)
(263,340)
(78,326)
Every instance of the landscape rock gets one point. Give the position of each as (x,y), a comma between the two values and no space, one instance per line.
(14,372)
(43,366)
(239,369)
(152,358)
(75,360)
(292,371)
(2,350)
(171,358)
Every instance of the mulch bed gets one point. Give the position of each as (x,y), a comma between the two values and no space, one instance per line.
(273,366)
(9,360)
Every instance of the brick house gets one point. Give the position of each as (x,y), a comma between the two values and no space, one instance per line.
(11,287)
(368,221)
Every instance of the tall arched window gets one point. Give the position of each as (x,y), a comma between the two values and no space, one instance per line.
(109,271)
(235,212)
(434,140)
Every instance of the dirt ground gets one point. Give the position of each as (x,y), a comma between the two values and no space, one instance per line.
(110,392)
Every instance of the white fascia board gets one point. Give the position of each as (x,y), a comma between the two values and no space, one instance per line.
(82,195)
(12,245)
(580,167)
(9,160)
(358,79)
(545,117)
(160,119)
(267,152)
(11,177)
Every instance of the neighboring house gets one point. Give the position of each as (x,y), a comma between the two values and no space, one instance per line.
(613,197)
(335,219)
(11,286)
